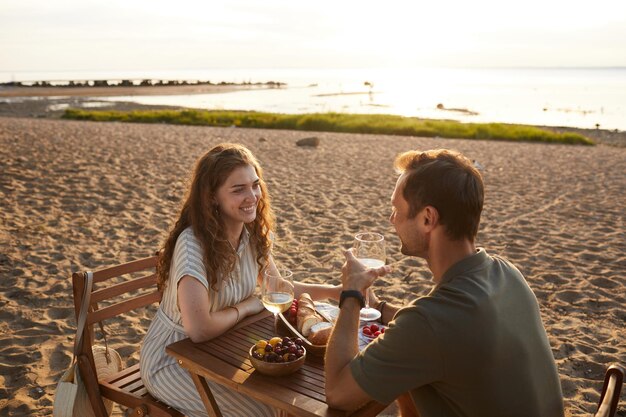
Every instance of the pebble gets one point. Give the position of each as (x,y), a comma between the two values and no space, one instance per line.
(36,392)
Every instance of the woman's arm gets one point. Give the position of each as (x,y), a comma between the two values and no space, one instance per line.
(199,322)
(318,291)
(387,311)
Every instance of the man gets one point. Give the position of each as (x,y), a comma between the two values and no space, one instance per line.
(475,345)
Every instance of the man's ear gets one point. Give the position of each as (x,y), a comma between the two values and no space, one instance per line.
(431,217)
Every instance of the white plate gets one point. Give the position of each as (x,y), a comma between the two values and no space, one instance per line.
(328,311)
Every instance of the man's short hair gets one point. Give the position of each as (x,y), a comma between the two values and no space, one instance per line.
(447,181)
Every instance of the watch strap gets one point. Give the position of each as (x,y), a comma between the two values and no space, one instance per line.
(351,294)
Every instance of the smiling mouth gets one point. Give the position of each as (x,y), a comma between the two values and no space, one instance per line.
(250,209)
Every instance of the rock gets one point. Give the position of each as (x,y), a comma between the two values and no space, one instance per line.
(262,140)
(36,392)
(312,141)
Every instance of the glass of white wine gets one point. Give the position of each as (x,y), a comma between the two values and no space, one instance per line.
(369,248)
(277,290)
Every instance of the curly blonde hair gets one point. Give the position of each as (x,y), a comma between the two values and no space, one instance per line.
(211,171)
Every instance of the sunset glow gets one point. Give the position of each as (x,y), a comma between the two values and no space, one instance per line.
(121,35)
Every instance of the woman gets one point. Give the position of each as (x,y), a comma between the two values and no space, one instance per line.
(209,267)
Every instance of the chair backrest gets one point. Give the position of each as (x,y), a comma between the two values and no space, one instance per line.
(116,290)
(609,399)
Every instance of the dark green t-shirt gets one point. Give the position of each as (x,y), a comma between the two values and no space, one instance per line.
(475,346)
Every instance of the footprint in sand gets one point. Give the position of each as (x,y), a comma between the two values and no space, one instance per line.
(569,296)
(56,289)
(319,253)
(324,239)
(17,294)
(604,283)
(553,279)
(57,313)
(59,359)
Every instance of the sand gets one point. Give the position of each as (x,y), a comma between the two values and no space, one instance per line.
(84,195)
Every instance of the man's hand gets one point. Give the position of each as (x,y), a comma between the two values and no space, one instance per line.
(356,276)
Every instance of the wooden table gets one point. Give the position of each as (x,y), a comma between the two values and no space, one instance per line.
(225,360)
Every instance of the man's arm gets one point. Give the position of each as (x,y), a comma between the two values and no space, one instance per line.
(342,390)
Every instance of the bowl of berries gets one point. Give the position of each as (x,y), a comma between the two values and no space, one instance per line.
(278,356)
(372,331)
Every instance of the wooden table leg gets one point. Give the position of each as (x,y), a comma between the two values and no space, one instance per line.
(206,395)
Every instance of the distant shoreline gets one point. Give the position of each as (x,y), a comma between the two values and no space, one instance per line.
(7,90)
(53,107)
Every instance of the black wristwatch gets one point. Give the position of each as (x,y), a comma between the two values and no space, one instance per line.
(352,294)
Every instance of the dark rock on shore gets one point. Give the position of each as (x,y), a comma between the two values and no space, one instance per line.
(313,142)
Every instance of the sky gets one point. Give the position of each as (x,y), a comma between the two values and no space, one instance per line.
(136,35)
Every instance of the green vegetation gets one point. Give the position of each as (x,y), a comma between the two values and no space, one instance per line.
(336,122)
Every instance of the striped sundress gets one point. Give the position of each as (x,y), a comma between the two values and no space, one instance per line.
(160,372)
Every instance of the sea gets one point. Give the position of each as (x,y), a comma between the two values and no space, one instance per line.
(573,97)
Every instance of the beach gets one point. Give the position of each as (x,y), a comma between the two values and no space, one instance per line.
(85,195)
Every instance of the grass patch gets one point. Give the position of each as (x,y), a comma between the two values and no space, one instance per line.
(336,122)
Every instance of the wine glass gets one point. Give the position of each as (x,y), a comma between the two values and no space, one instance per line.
(369,249)
(277,290)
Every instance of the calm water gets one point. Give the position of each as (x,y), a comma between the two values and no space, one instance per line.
(553,97)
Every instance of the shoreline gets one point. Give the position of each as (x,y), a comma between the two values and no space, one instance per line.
(119,90)
(53,106)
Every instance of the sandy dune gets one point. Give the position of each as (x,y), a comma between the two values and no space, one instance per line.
(77,195)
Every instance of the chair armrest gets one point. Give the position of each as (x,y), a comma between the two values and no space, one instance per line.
(613,380)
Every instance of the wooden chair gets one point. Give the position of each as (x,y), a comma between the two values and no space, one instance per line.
(613,380)
(119,292)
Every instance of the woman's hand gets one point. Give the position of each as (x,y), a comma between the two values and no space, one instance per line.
(250,306)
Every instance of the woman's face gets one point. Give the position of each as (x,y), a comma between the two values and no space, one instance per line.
(238,196)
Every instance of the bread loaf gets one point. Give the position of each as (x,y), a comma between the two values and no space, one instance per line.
(310,324)
(307,317)
(320,333)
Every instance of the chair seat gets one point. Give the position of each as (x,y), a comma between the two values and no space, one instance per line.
(127,388)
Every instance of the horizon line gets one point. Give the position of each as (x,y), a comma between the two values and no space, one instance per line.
(574,67)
